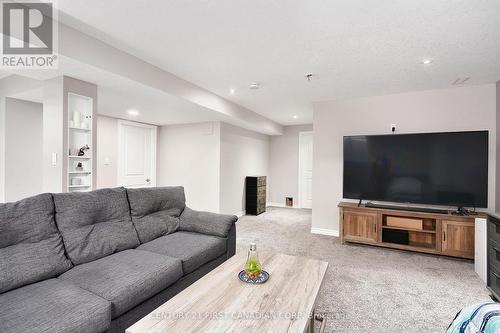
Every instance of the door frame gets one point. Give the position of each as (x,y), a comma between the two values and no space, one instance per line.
(154,142)
(299,197)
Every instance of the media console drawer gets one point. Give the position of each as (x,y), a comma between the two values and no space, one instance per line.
(405,222)
(494,280)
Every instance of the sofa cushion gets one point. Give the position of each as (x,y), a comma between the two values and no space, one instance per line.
(193,249)
(95,224)
(53,306)
(206,222)
(155,210)
(31,247)
(126,278)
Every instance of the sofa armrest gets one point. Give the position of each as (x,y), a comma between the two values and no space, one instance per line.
(206,223)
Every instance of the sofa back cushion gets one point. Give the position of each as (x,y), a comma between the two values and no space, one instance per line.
(155,210)
(31,247)
(95,224)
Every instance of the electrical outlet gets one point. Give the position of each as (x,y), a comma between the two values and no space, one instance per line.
(54,159)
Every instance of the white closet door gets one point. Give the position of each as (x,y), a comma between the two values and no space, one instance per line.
(305,169)
(136,154)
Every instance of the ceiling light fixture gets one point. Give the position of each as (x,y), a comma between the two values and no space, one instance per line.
(254,86)
(295,117)
(232,91)
(132,112)
(427,61)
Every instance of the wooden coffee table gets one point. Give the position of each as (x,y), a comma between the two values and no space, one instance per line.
(220,302)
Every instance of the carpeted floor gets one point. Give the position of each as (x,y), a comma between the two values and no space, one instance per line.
(369,289)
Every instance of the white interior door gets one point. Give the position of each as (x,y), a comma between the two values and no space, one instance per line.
(305,169)
(136,154)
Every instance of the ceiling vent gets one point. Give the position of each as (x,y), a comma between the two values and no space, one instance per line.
(460,80)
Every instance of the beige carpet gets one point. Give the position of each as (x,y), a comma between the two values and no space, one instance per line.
(369,289)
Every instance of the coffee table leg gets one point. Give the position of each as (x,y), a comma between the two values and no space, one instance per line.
(322,320)
(311,323)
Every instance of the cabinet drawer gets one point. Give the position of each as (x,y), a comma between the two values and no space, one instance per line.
(493,232)
(494,255)
(494,280)
(261,191)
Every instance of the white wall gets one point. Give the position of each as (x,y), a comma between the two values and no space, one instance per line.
(107,154)
(189,155)
(284,165)
(23,151)
(10,86)
(242,153)
(53,134)
(457,109)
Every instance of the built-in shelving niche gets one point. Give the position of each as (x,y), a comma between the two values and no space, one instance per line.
(80,129)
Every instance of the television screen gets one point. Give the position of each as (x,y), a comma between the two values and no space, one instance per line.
(449,169)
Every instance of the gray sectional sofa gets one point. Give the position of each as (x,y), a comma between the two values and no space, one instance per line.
(99,261)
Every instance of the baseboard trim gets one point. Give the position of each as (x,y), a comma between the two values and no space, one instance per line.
(281,205)
(327,232)
(240,213)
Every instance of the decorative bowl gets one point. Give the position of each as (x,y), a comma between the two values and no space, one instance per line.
(262,278)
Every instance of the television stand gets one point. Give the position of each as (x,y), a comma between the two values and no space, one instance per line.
(409,209)
(434,232)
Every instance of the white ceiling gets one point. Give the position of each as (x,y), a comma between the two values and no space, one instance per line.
(3,74)
(116,95)
(355,47)
(154,107)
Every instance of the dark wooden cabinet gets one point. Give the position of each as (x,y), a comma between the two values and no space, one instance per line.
(494,255)
(255,195)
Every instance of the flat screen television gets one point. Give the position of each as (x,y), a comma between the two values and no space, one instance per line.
(447,169)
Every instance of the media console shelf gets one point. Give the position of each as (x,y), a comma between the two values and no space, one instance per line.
(435,233)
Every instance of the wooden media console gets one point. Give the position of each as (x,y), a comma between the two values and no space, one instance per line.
(442,234)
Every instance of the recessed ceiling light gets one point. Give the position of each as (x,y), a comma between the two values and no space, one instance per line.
(427,61)
(295,117)
(132,112)
(232,91)
(254,86)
